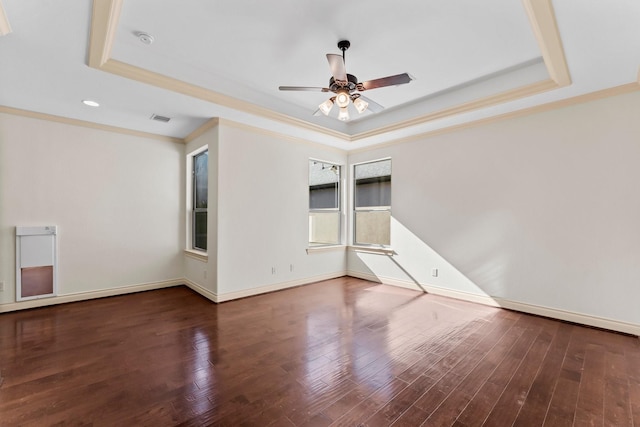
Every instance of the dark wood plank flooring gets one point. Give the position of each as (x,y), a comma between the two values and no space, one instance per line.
(343,352)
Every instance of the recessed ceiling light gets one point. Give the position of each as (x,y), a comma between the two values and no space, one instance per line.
(145,38)
(90,103)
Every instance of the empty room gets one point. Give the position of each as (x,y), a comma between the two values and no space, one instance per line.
(289,213)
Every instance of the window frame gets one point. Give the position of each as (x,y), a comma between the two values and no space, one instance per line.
(191,160)
(338,210)
(369,208)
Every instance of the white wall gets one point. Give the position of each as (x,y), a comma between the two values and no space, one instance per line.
(115,198)
(263,204)
(542,210)
(120,204)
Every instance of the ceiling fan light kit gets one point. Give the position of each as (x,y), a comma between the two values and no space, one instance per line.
(346,87)
(360,105)
(342,98)
(343,114)
(326,106)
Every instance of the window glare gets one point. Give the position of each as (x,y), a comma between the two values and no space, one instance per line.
(324,203)
(200,200)
(323,173)
(373,169)
(373,227)
(372,203)
(200,230)
(200,167)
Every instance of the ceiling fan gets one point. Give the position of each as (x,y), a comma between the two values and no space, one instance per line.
(346,87)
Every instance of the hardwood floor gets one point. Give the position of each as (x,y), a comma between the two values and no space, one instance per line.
(343,352)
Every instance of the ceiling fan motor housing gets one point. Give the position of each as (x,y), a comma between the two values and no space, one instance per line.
(350,85)
(344,45)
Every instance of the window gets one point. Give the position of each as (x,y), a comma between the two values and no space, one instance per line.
(200,200)
(372,203)
(324,203)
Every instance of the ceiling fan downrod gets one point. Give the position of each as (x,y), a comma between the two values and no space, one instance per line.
(343,45)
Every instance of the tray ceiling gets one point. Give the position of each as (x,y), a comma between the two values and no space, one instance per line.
(470,60)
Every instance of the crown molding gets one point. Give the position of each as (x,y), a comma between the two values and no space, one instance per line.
(91,125)
(545,28)
(209,124)
(593,96)
(104,22)
(488,101)
(132,72)
(106,14)
(5,28)
(216,121)
(278,135)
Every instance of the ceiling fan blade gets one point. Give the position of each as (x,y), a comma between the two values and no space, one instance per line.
(398,79)
(305,88)
(374,107)
(336,63)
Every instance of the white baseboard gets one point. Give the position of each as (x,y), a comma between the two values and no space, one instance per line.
(277,286)
(435,290)
(201,290)
(82,296)
(554,313)
(570,316)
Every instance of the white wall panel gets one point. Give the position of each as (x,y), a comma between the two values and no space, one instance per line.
(117,198)
(263,205)
(541,209)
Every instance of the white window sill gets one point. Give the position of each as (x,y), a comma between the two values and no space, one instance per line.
(327,248)
(372,250)
(199,255)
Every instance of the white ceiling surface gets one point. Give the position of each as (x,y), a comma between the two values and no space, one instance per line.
(248,49)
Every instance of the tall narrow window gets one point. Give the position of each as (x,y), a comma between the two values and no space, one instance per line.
(200,199)
(324,203)
(372,203)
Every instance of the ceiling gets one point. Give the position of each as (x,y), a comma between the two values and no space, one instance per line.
(225,59)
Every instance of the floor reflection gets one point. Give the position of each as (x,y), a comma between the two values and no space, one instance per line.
(169,356)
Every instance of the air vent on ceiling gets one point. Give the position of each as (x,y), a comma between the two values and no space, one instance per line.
(158,118)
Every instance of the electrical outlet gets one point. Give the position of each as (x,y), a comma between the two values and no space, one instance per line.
(291,267)
(434,272)
(273,270)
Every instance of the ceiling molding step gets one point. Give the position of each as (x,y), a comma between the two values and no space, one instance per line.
(580,99)
(500,98)
(209,124)
(159,80)
(132,72)
(106,14)
(91,125)
(5,28)
(104,23)
(278,135)
(545,29)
